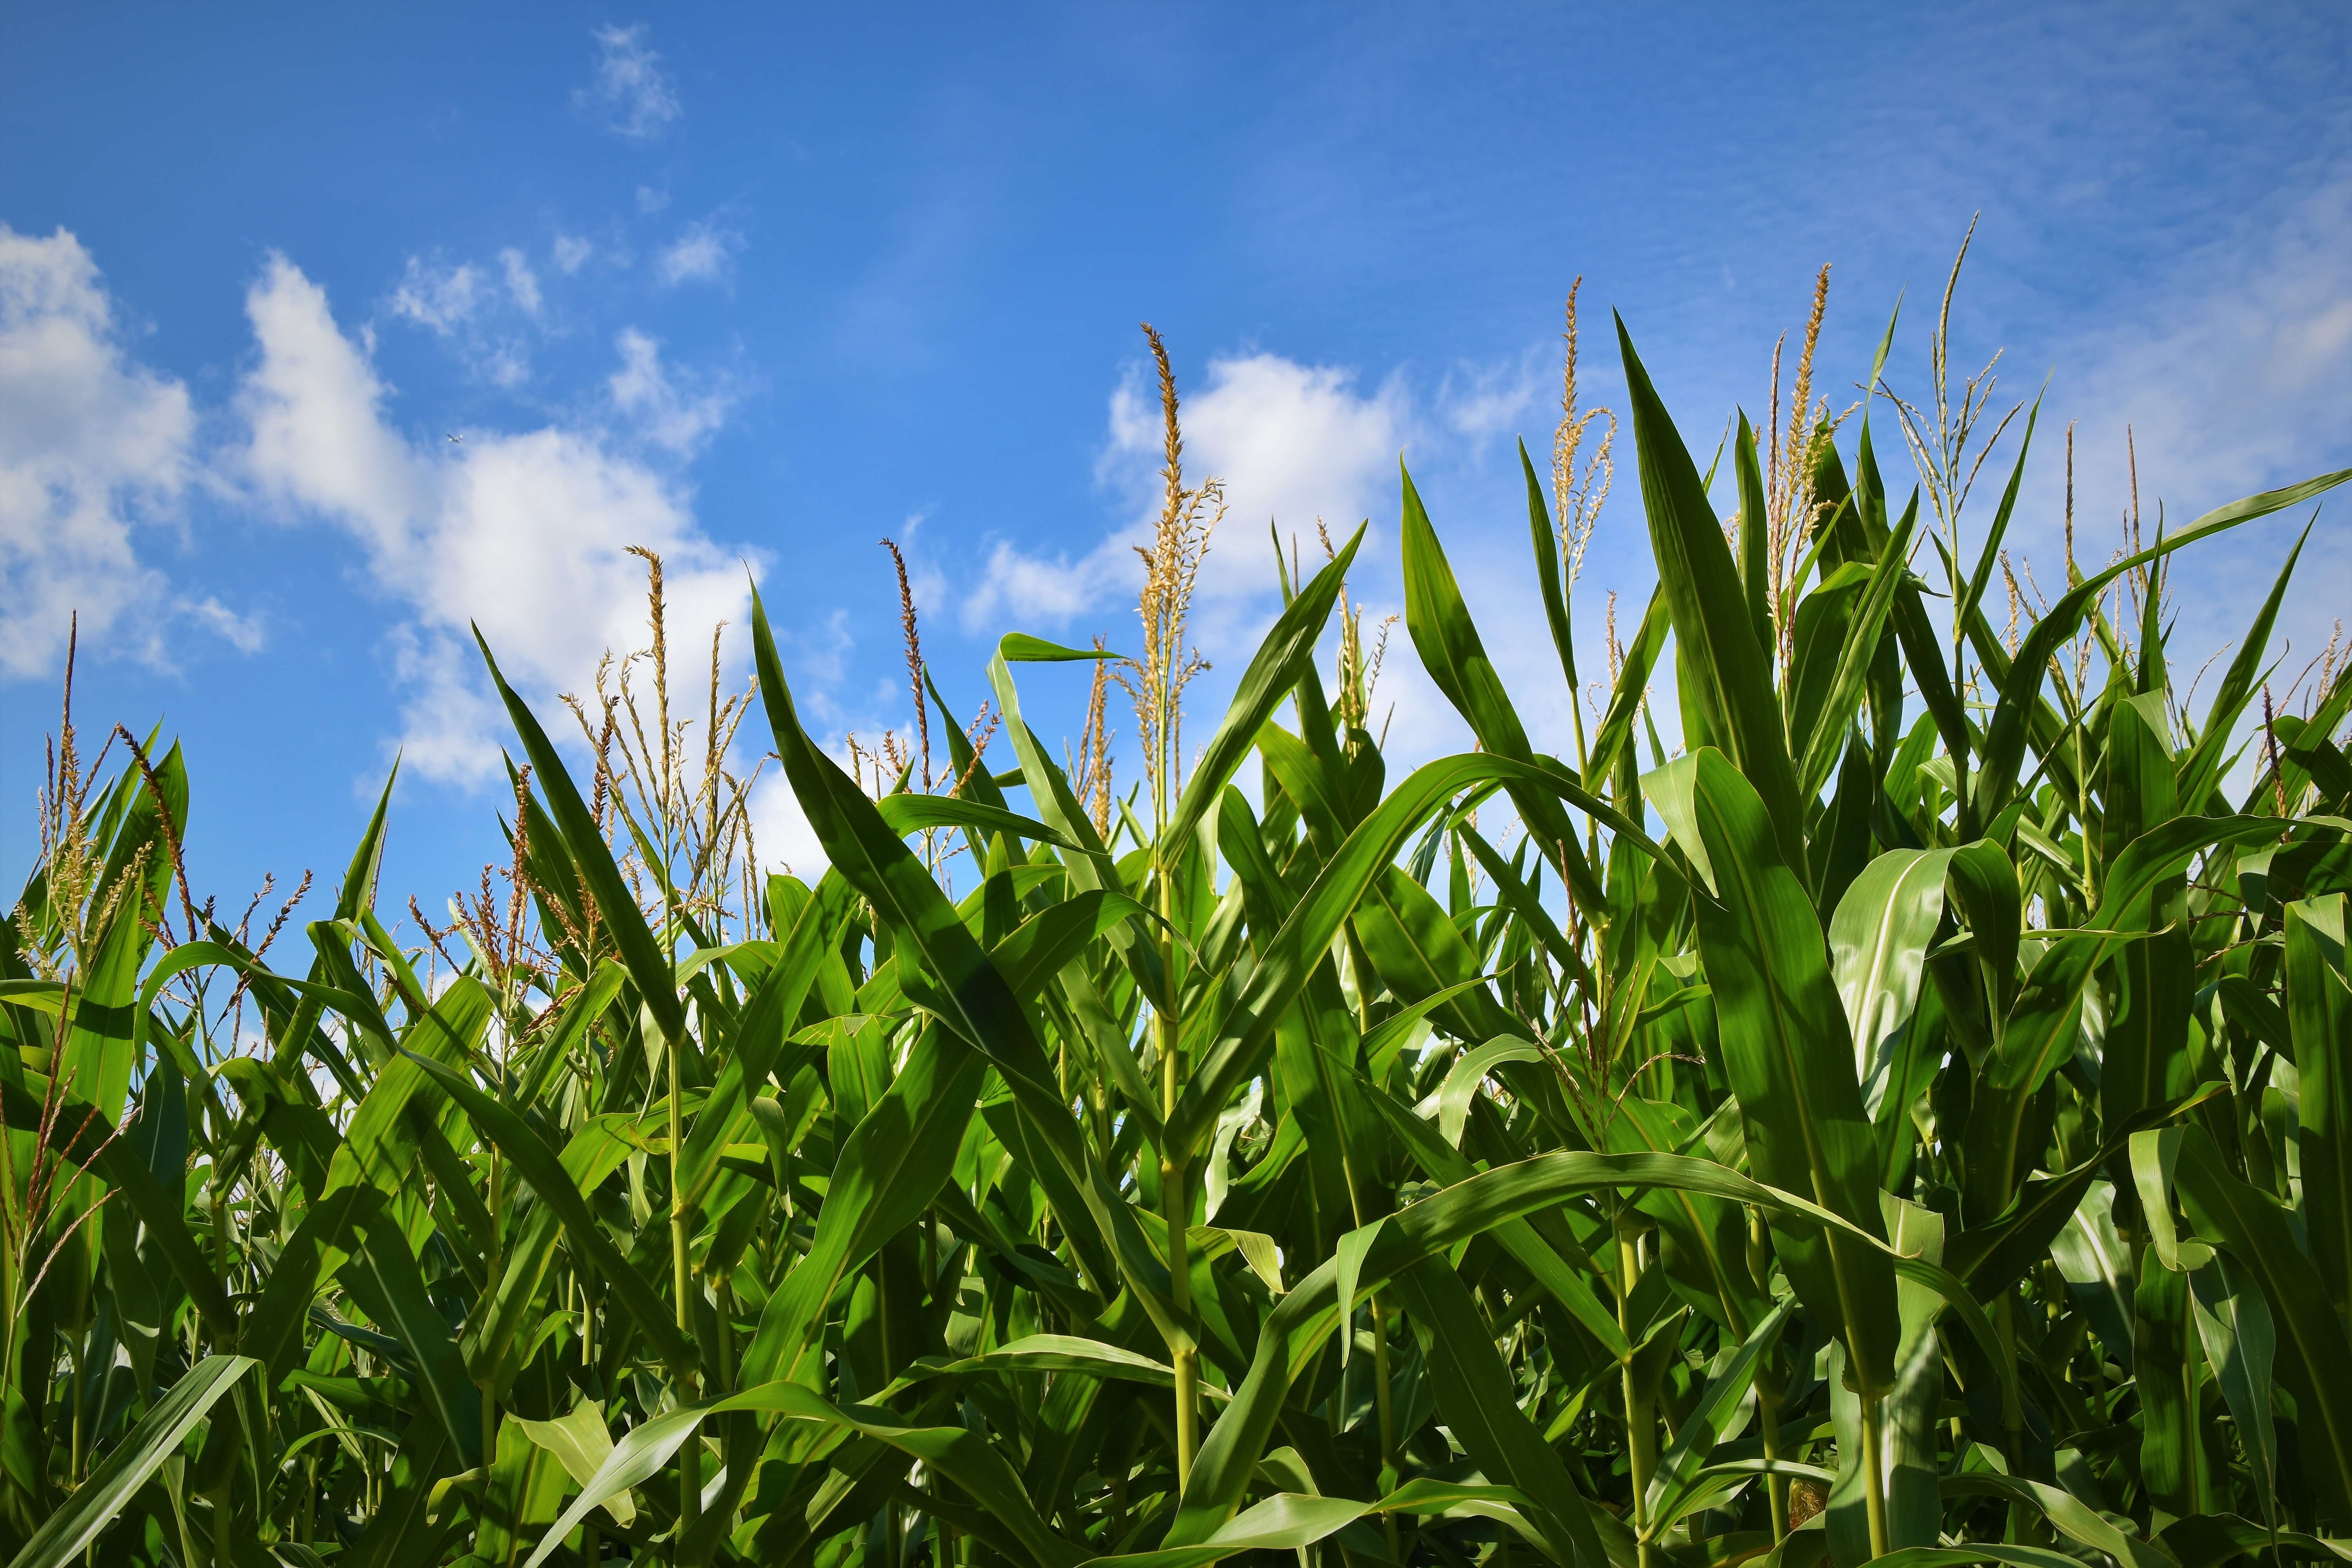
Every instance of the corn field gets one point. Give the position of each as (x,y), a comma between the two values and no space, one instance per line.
(1905,1119)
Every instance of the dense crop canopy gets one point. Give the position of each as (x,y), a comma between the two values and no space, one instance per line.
(1906,1121)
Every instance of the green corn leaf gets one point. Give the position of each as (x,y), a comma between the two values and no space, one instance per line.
(1274,671)
(1465,1077)
(1549,577)
(2311,1348)
(2319,1008)
(383,1279)
(913,813)
(162,1210)
(1457,660)
(1716,1417)
(1022,648)
(115,1481)
(1475,1400)
(1713,627)
(1562,1269)
(963,988)
(1472,1207)
(961,1456)
(1989,555)
(1632,689)
(616,907)
(2070,1515)
(1245,1033)
(1293,1520)
(1991,1256)
(2209,1540)
(1841,699)
(538,1164)
(1878,945)
(2234,1323)
(890,1168)
(1789,1056)
(2005,740)
(2201,770)
(581,1443)
(100,1055)
(759,1033)
(1755,532)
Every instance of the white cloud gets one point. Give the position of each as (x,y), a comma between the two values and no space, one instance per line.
(631,89)
(523,535)
(483,317)
(781,833)
(443,299)
(92,445)
(702,253)
(677,418)
(1292,442)
(1016,586)
(651,199)
(317,436)
(1482,402)
(243,633)
(523,283)
(571,253)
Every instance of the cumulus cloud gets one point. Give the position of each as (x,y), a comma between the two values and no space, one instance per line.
(312,408)
(523,535)
(1293,443)
(702,253)
(92,445)
(571,253)
(632,91)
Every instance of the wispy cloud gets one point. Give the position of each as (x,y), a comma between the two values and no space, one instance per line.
(631,91)
(439,298)
(523,283)
(2232,373)
(1480,402)
(703,252)
(674,410)
(486,316)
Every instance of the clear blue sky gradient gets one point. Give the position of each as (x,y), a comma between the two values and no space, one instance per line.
(929,233)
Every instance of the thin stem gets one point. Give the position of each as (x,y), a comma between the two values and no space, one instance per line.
(1175,1202)
(1874,1469)
(1641,1422)
(1380,1397)
(2012,1418)
(491,1284)
(689,1469)
(1184,1352)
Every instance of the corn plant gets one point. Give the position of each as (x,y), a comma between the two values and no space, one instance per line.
(1904,1123)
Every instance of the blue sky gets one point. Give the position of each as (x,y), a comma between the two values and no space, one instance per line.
(757,286)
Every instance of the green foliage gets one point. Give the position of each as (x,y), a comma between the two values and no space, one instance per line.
(1907,1125)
